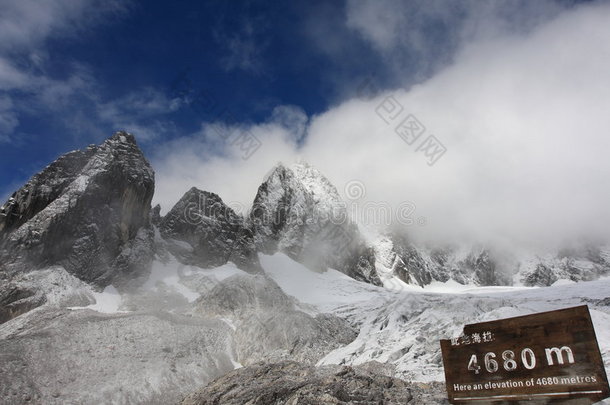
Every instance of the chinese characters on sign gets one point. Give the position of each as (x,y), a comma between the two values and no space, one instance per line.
(410,129)
(473,338)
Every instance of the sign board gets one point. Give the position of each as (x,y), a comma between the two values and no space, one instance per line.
(550,357)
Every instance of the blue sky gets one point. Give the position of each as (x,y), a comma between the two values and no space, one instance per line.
(497,81)
(75,71)
(72,77)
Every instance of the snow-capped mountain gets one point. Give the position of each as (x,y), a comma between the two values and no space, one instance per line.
(146,309)
(299,212)
(398,257)
(203,231)
(87,212)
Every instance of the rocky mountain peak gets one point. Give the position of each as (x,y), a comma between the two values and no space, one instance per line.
(298,211)
(121,137)
(315,182)
(88,212)
(42,189)
(202,230)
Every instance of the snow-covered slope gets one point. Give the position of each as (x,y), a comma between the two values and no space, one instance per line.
(402,327)
(86,273)
(232,318)
(398,258)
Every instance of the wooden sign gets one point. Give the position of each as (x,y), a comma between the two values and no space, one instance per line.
(550,357)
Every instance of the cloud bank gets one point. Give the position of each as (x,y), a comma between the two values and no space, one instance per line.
(26,27)
(75,97)
(523,116)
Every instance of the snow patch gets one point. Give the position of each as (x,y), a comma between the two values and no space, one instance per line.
(325,290)
(108,301)
(80,183)
(170,274)
(563,281)
(402,327)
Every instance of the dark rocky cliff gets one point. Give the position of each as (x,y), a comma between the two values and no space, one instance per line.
(87,212)
(202,230)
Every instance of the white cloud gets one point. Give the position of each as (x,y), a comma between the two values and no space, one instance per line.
(11,77)
(140,112)
(524,119)
(243,53)
(28,23)
(399,25)
(425,34)
(57,94)
(8,119)
(291,117)
(379,21)
(141,103)
(25,28)
(244,48)
(208,160)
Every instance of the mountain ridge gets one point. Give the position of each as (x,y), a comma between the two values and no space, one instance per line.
(90,212)
(192,296)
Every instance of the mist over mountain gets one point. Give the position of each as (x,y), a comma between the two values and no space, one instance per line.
(525,143)
(293,202)
(81,245)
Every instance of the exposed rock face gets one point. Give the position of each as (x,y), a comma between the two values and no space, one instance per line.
(584,262)
(413,264)
(51,356)
(16,300)
(27,291)
(486,270)
(155,215)
(43,189)
(396,253)
(86,219)
(297,384)
(87,212)
(207,233)
(269,325)
(297,211)
(422,265)
(541,276)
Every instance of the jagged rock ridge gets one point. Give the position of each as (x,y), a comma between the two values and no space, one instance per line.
(399,257)
(290,382)
(297,211)
(91,210)
(87,212)
(202,230)
(269,325)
